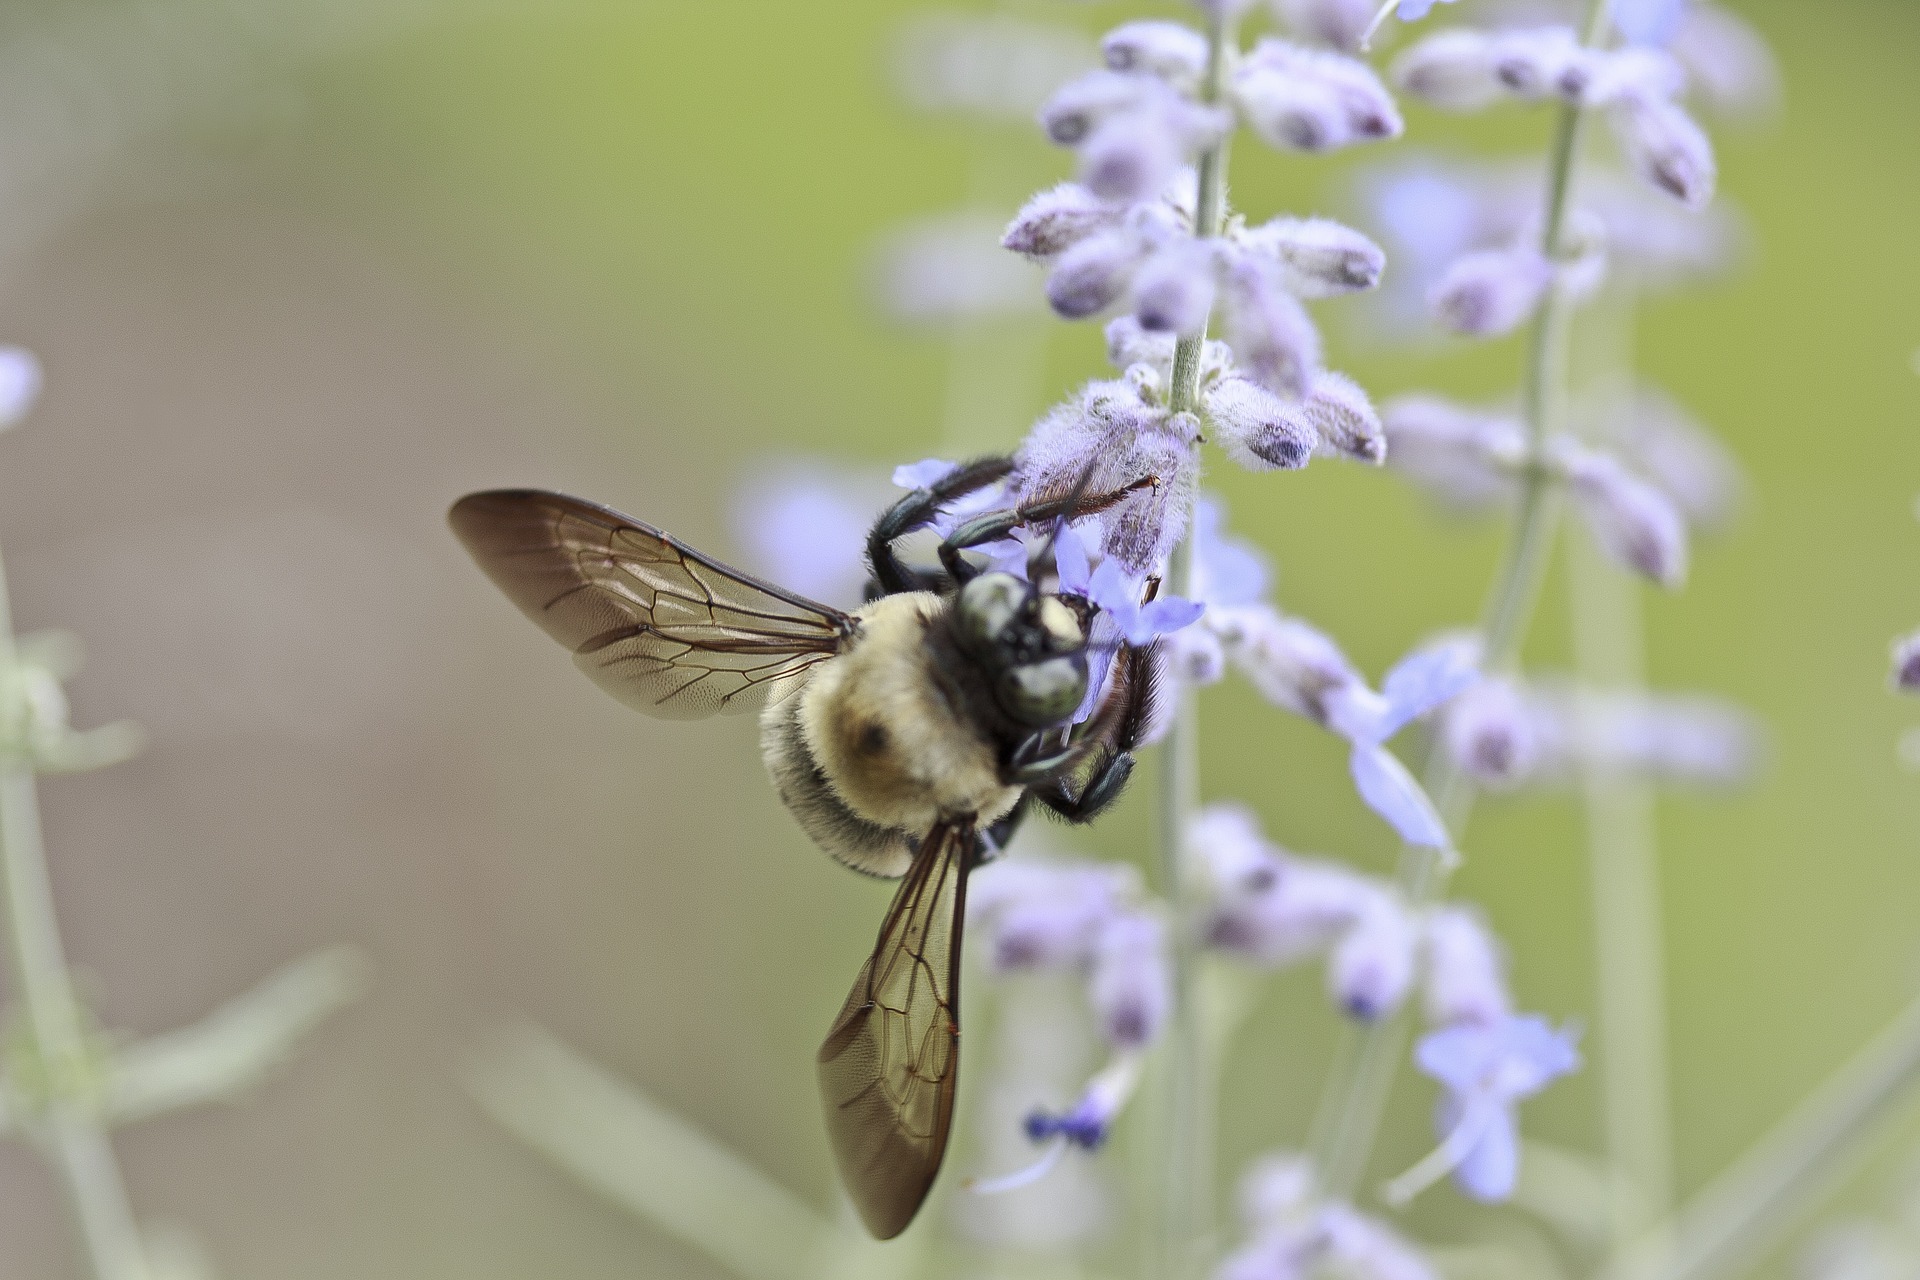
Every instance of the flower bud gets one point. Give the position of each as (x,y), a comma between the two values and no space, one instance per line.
(1258,429)
(1173,291)
(1491,292)
(1493,735)
(1271,334)
(1460,457)
(1226,840)
(1540,62)
(1371,968)
(1663,145)
(1305,909)
(1338,24)
(1129,344)
(1453,70)
(1634,523)
(1129,157)
(1343,418)
(1466,972)
(1195,656)
(1320,257)
(1288,113)
(1274,1187)
(1368,1249)
(1307,100)
(1057,219)
(1093,274)
(1727,61)
(1684,459)
(1175,53)
(1045,915)
(1130,986)
(1293,664)
(1631,72)
(1906,663)
(1079,106)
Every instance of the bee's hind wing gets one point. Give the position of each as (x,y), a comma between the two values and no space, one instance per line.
(889,1066)
(663,628)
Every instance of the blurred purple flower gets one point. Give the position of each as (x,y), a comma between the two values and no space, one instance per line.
(803,524)
(20,381)
(1487,1070)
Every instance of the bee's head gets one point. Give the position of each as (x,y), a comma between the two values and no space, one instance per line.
(1033,646)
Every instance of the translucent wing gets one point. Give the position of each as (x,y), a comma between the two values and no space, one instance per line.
(666,630)
(889,1066)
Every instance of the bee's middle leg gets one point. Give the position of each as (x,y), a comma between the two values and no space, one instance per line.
(916,511)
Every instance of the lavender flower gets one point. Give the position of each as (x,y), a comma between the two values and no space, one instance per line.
(1132,131)
(1337,24)
(945,268)
(1507,733)
(20,382)
(1634,522)
(1372,967)
(1487,1070)
(1422,682)
(1492,292)
(1117,593)
(1466,979)
(1295,1233)
(1089,1121)
(1131,985)
(992,66)
(1463,458)
(803,523)
(1144,257)
(1301,99)
(1906,663)
(1638,87)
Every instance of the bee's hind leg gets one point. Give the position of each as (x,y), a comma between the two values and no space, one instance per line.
(916,511)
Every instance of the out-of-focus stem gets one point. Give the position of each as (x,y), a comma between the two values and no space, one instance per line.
(1187,1201)
(1729,1224)
(1347,1139)
(70,1128)
(1622,847)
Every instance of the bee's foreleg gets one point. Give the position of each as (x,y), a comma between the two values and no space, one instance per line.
(916,511)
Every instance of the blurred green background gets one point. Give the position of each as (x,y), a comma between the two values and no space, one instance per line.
(303,274)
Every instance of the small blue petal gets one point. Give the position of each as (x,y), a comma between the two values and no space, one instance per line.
(1492,1165)
(1070,561)
(1413,10)
(1648,22)
(922,475)
(1392,792)
(1425,679)
(1227,571)
(1143,623)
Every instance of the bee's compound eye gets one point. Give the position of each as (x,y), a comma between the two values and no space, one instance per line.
(1061,626)
(1040,694)
(988,605)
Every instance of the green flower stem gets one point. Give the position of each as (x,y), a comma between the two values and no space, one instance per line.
(1609,644)
(1730,1223)
(69,1128)
(1187,1201)
(1345,1141)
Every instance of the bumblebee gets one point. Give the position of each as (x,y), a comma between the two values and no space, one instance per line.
(907,737)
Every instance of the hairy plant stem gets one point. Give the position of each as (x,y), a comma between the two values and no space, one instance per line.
(1187,1194)
(68,1127)
(1370,1059)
